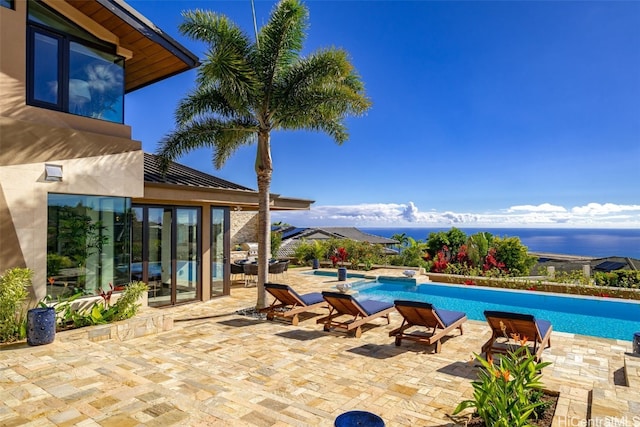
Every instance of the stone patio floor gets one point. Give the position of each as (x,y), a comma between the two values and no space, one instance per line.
(219,368)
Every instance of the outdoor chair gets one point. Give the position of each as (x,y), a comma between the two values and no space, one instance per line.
(250,273)
(512,330)
(358,312)
(237,270)
(288,303)
(423,314)
(278,268)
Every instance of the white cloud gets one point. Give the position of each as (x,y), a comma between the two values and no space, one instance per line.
(607,208)
(592,215)
(545,207)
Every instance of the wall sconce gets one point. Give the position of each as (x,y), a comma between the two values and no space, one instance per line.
(53,173)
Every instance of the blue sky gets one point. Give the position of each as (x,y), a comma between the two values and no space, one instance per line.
(485,114)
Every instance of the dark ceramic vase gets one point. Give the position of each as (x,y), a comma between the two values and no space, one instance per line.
(41,325)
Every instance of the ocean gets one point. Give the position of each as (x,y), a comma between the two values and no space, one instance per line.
(567,241)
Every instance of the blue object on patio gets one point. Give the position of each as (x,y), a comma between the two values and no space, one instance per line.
(358,418)
(41,325)
(342,273)
(636,343)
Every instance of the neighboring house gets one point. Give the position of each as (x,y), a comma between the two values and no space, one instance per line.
(569,263)
(79,200)
(292,236)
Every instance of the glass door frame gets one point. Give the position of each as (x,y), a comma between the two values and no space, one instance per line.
(226,251)
(173,261)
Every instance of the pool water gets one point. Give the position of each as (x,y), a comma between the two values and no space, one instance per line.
(600,317)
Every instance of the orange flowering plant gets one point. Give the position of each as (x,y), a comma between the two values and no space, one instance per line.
(507,394)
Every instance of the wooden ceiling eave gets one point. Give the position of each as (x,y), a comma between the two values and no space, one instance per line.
(156,56)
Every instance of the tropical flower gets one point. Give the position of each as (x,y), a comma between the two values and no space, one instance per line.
(340,256)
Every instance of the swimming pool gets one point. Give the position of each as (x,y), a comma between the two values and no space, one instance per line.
(607,318)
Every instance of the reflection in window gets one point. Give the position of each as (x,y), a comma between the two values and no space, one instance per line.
(46,51)
(87,244)
(95,83)
(7,3)
(71,70)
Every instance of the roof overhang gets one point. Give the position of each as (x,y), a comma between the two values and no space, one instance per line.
(151,54)
(236,199)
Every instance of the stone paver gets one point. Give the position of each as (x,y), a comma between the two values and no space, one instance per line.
(218,368)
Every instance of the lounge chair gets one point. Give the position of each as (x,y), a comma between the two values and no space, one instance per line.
(416,313)
(510,330)
(359,312)
(288,303)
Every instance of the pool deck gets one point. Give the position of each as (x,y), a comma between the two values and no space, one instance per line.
(204,365)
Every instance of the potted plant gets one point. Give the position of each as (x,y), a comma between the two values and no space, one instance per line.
(339,257)
(317,252)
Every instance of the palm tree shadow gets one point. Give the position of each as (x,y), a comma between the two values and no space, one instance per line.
(460,369)
(302,335)
(377,351)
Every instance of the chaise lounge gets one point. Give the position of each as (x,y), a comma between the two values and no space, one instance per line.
(416,313)
(288,303)
(359,312)
(511,330)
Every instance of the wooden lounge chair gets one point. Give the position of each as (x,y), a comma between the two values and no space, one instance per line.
(416,313)
(511,330)
(288,303)
(359,312)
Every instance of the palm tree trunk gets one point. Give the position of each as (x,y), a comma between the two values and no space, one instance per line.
(264,169)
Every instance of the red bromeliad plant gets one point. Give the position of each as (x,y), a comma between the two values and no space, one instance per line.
(106,296)
(490,262)
(440,263)
(340,256)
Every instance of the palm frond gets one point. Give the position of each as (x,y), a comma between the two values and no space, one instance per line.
(280,40)
(227,62)
(223,136)
(203,101)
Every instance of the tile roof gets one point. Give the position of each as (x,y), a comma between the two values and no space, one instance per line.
(178,174)
(292,236)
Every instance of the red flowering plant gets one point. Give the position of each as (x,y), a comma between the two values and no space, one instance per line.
(340,256)
(491,262)
(439,263)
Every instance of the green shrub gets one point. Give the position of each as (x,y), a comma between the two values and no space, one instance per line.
(14,284)
(508,394)
(618,278)
(100,312)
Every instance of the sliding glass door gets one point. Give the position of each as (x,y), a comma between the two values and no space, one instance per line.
(166,256)
(219,226)
(187,258)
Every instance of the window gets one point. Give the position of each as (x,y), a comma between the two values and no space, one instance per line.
(7,3)
(88,243)
(70,70)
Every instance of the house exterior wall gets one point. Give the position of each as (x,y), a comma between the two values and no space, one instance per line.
(97,157)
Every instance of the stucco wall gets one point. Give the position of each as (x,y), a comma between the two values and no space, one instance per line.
(25,201)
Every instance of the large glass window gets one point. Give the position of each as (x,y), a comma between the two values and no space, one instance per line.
(6,3)
(88,243)
(71,70)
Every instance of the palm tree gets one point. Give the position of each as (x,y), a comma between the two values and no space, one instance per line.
(403,240)
(245,90)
